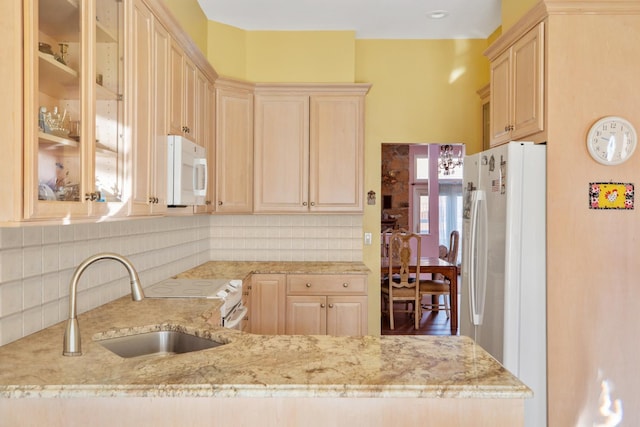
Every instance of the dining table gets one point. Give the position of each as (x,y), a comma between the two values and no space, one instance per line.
(434,265)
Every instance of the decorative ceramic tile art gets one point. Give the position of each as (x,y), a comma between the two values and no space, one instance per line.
(611,195)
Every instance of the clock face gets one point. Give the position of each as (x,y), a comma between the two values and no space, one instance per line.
(611,140)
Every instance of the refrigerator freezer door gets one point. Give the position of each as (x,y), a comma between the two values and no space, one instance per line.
(478,256)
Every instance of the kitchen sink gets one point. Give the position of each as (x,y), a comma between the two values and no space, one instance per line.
(157,343)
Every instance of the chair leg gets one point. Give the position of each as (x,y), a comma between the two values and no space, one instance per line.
(446,304)
(390,302)
(417,313)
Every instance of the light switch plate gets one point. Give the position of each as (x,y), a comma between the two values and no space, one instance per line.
(367,238)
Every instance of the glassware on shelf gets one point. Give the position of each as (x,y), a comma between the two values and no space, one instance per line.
(54,122)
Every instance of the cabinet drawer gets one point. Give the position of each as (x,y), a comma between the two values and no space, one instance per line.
(326,284)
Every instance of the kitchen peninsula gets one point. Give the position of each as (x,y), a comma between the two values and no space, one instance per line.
(266,380)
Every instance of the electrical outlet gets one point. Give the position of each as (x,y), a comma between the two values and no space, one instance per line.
(367,238)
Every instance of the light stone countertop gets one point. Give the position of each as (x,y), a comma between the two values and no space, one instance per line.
(242,269)
(248,365)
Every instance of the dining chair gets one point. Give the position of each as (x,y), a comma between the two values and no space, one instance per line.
(439,285)
(401,285)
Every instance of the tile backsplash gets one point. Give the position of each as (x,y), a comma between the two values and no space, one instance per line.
(286,238)
(37,262)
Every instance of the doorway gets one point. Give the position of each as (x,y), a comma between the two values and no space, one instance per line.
(421,192)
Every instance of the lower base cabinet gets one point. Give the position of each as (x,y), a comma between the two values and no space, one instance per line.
(308,304)
(326,315)
(326,305)
(267,303)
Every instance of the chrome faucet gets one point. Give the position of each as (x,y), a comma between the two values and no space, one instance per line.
(72,332)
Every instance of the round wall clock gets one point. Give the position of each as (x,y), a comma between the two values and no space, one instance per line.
(611,140)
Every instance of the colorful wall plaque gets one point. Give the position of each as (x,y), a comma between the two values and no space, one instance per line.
(611,195)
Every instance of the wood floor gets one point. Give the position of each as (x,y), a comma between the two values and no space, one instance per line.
(430,324)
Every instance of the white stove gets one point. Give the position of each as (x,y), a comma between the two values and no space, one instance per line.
(228,290)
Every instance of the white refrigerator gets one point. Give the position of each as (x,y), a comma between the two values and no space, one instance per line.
(503,292)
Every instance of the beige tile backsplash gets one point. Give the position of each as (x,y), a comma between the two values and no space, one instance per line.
(36,262)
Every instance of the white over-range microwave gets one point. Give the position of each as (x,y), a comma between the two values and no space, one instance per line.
(187,172)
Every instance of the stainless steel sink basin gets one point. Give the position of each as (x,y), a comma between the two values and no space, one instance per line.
(156,343)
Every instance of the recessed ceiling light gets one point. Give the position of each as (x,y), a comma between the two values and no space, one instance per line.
(438,14)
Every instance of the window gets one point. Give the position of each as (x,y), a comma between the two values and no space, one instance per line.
(450,205)
(421,168)
(420,196)
(421,208)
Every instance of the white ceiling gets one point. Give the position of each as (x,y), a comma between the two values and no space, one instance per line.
(370,19)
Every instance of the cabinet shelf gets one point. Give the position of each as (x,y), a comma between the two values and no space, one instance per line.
(104,34)
(54,141)
(56,79)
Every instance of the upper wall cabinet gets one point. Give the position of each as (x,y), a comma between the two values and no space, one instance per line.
(207,125)
(517,88)
(234,146)
(88,111)
(147,112)
(73,108)
(182,107)
(309,148)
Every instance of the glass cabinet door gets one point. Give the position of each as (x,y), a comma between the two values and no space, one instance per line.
(109,111)
(74,107)
(58,112)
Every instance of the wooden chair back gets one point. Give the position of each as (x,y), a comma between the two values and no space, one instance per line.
(454,241)
(404,250)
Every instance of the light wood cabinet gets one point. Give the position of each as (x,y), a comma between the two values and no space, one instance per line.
(182,102)
(326,304)
(281,153)
(246,301)
(73,109)
(207,122)
(150,43)
(234,146)
(268,298)
(309,148)
(94,152)
(517,89)
(484,94)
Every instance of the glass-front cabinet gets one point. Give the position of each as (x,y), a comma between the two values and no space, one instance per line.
(74,115)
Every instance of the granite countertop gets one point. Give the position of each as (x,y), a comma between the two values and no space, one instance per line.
(247,365)
(242,269)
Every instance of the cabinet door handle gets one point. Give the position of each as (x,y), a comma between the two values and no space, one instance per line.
(330,305)
(304,203)
(220,203)
(313,203)
(322,305)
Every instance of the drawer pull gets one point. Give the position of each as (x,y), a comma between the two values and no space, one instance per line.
(308,285)
(345,285)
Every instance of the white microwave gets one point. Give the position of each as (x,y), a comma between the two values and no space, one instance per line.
(187,172)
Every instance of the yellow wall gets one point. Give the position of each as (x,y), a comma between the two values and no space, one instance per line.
(422,91)
(227,50)
(192,19)
(513,10)
(300,56)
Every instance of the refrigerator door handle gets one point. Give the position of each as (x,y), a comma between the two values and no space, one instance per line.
(478,256)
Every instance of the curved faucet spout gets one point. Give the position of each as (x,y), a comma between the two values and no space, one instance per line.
(72,332)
